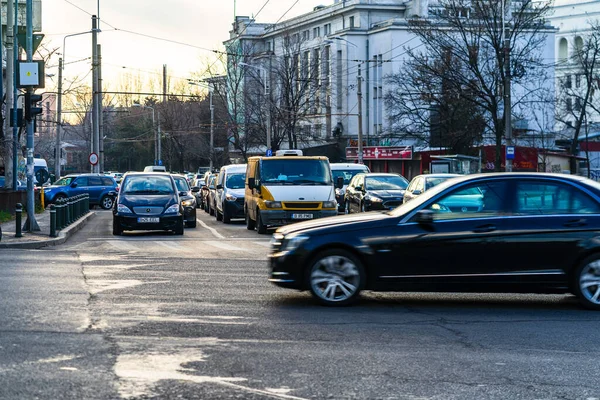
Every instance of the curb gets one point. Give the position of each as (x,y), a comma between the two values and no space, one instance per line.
(63,236)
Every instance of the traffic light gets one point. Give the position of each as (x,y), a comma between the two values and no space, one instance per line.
(31,109)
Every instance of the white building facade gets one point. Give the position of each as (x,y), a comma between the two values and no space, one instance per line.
(357,43)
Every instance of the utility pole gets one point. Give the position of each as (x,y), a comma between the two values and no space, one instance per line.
(212,129)
(31,224)
(100,113)
(158,144)
(95,105)
(58,147)
(268,96)
(360,124)
(11,170)
(164,83)
(507,100)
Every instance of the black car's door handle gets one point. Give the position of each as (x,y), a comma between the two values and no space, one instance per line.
(575,223)
(485,228)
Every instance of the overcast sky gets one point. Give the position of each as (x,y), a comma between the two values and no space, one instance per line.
(201,23)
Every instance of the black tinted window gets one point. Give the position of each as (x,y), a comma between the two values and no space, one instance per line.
(148,185)
(474,201)
(553,198)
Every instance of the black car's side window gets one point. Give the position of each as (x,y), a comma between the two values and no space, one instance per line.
(552,198)
(473,201)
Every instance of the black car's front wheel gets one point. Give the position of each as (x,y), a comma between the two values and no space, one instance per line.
(179,229)
(587,282)
(117,230)
(336,277)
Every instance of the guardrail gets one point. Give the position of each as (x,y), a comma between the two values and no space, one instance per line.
(67,210)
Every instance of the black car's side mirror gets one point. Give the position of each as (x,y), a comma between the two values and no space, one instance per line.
(425,219)
(74,184)
(219,187)
(339,183)
(251,183)
(195,189)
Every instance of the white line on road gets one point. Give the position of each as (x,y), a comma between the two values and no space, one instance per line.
(212,230)
(223,246)
(169,245)
(119,245)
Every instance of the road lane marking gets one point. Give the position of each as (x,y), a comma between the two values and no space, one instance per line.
(169,245)
(212,230)
(223,246)
(119,245)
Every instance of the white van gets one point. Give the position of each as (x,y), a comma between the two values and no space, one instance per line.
(155,168)
(287,188)
(345,171)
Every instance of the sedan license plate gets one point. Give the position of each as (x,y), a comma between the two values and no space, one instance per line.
(148,220)
(302,216)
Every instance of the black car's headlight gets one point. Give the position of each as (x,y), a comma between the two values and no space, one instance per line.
(173,209)
(373,199)
(292,242)
(121,208)
(188,203)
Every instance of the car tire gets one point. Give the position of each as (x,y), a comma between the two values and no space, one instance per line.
(250,223)
(107,202)
(117,230)
(586,282)
(226,217)
(336,277)
(218,215)
(261,228)
(179,229)
(211,210)
(191,224)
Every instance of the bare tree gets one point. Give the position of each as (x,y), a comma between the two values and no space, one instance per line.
(462,51)
(579,88)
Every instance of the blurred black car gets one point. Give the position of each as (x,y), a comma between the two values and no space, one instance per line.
(188,200)
(197,191)
(374,191)
(421,183)
(529,233)
(148,201)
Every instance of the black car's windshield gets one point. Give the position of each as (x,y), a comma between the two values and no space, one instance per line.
(385,183)
(295,172)
(147,185)
(182,184)
(236,181)
(64,181)
(347,174)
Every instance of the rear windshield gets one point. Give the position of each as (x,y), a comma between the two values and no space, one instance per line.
(295,172)
(147,185)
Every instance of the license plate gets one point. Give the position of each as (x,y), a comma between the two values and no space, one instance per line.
(302,216)
(148,220)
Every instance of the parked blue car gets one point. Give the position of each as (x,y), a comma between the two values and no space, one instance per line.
(101,189)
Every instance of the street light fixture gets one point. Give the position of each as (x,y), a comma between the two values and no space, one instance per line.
(211,148)
(157,135)
(268,95)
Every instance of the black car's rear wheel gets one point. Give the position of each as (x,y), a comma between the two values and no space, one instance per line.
(587,282)
(336,277)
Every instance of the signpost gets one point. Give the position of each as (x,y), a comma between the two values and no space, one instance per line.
(93,158)
(269,153)
(510,152)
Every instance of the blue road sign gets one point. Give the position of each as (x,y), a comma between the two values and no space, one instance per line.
(269,153)
(510,152)
(159,162)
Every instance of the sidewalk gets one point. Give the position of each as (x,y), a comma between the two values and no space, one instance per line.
(42,238)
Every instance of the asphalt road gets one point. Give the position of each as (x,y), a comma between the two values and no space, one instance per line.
(158,316)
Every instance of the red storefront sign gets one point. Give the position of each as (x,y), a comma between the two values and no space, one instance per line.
(381,153)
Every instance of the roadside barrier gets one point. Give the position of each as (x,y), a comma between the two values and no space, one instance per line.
(68,210)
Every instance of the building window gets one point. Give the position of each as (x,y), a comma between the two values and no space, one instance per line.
(563,49)
(339,84)
(305,35)
(316,32)
(327,29)
(577,80)
(351,22)
(569,105)
(577,104)
(568,82)
(578,45)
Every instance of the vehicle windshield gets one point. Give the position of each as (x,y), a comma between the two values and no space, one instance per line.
(347,174)
(295,172)
(147,185)
(64,181)
(182,184)
(235,181)
(392,182)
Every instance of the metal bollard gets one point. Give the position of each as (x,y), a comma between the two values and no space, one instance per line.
(18,215)
(52,221)
(63,214)
(67,213)
(77,207)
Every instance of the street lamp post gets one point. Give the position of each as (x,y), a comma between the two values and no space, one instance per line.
(157,135)
(267,95)
(212,121)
